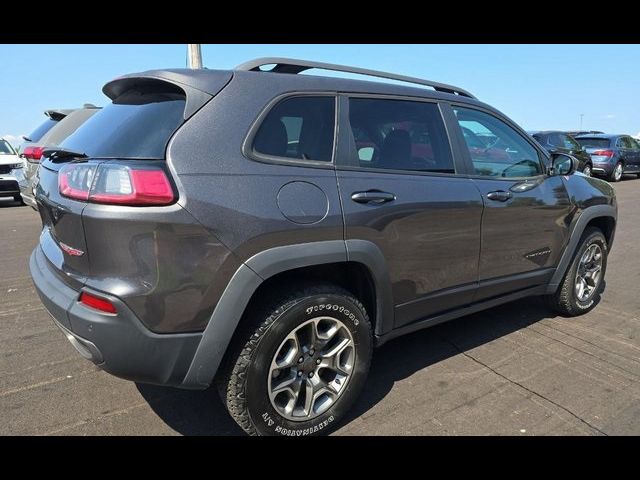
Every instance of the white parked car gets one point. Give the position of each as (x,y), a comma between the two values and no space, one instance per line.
(11,171)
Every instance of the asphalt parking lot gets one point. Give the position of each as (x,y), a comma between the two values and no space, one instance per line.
(512,370)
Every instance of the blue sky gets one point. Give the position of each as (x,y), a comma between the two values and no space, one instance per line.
(539,86)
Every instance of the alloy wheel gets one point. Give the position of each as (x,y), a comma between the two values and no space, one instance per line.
(311,368)
(589,273)
(617,173)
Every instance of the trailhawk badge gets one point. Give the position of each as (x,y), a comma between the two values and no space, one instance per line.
(539,256)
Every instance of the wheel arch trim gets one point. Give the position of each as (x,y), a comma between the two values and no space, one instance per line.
(589,214)
(263,265)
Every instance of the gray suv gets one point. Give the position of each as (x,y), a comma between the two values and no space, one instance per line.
(264,230)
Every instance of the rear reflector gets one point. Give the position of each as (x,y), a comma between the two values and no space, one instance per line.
(97,303)
(33,154)
(116,184)
(604,153)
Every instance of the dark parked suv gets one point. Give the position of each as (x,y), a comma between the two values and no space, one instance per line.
(264,230)
(560,142)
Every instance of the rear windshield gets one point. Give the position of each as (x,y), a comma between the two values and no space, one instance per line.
(66,127)
(136,125)
(39,132)
(594,142)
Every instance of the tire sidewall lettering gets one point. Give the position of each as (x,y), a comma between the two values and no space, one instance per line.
(331,308)
(296,432)
(266,419)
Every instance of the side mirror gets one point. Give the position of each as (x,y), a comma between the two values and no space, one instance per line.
(563,164)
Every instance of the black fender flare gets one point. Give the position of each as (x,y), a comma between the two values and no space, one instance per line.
(263,265)
(596,211)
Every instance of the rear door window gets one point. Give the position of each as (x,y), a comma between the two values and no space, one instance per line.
(137,124)
(399,135)
(298,128)
(626,142)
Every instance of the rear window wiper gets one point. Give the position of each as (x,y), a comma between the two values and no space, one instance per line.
(59,153)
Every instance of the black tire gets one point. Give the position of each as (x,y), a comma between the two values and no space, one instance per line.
(565,300)
(18,198)
(243,382)
(613,176)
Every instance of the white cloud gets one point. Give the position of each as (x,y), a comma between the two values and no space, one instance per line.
(14,140)
(609,116)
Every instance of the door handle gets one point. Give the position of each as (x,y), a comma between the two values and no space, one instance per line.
(373,196)
(499,196)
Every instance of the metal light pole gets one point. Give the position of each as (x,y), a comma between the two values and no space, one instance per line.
(194,56)
(581,116)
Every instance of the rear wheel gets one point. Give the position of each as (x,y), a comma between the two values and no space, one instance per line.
(616,173)
(583,283)
(300,365)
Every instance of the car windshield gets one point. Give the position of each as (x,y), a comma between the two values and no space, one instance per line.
(594,142)
(5,148)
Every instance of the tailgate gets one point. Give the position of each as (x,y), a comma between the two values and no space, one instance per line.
(62,239)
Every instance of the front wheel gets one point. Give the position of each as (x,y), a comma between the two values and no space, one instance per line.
(616,173)
(300,366)
(587,170)
(583,283)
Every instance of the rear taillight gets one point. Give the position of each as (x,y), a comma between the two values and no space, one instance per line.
(116,184)
(604,153)
(97,303)
(75,180)
(33,154)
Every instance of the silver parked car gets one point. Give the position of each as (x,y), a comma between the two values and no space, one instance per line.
(60,124)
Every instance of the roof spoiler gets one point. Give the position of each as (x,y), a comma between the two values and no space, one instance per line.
(168,81)
(58,114)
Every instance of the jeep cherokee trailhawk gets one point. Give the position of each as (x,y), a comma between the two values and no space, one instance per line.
(262,230)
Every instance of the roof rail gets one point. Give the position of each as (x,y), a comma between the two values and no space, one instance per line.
(290,65)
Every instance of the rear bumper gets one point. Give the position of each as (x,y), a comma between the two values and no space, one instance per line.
(602,169)
(119,344)
(27,193)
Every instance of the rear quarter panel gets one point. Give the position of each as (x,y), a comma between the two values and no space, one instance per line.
(235,198)
(159,261)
